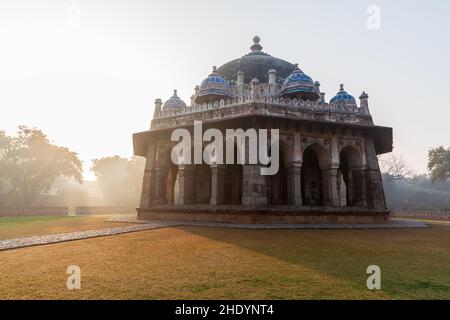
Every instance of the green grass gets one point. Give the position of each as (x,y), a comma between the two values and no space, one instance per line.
(14,227)
(215,263)
(12,221)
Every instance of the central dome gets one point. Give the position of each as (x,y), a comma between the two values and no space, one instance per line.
(256,64)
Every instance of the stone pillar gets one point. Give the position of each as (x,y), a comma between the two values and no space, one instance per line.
(322,97)
(364,103)
(160,185)
(254,91)
(374,186)
(359,188)
(240,83)
(240,78)
(186,185)
(272,82)
(148,189)
(149,180)
(293,172)
(375,192)
(157,110)
(217,184)
(254,186)
(340,191)
(351,189)
(330,191)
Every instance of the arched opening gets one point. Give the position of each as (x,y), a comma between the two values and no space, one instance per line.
(201,183)
(311,179)
(315,159)
(348,184)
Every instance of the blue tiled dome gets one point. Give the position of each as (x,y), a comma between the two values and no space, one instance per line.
(174,102)
(299,85)
(213,88)
(342,98)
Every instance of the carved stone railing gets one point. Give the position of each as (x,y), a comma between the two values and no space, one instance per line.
(245,93)
(320,106)
(289,109)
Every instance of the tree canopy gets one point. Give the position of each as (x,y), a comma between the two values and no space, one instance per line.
(439,163)
(30,162)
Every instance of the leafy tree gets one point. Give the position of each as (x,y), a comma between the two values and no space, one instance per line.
(439,163)
(30,163)
(120,179)
(5,142)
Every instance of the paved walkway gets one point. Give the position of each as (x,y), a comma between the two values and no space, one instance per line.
(78,235)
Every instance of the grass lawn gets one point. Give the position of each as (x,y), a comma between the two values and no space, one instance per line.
(199,263)
(14,227)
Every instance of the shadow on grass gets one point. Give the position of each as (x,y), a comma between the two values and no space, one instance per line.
(414,262)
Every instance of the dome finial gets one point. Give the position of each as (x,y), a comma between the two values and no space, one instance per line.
(175,92)
(341,87)
(256,46)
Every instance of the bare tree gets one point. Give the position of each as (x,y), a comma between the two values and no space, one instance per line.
(393,167)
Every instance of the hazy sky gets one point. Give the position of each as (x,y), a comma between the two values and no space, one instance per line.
(87,72)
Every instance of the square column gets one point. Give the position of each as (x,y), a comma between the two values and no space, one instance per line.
(217,184)
(363,187)
(160,185)
(294,184)
(254,186)
(186,184)
(330,191)
(148,189)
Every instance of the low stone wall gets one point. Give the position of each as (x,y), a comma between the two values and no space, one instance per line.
(421,214)
(93,210)
(33,211)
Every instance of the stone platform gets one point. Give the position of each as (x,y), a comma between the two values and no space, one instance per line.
(390,224)
(238,214)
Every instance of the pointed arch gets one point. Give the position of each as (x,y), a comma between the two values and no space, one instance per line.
(316,158)
(323,155)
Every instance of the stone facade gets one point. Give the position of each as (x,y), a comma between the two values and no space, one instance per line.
(328,151)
